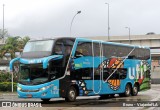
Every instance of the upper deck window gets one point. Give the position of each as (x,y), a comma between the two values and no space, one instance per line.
(43,45)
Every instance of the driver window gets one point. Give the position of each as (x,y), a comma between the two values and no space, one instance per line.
(83,49)
(58,49)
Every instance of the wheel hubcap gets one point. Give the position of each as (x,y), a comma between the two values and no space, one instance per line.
(127,90)
(72,94)
(135,90)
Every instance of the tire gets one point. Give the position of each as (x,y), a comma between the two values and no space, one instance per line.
(121,95)
(45,100)
(134,90)
(71,94)
(127,92)
(112,95)
(104,96)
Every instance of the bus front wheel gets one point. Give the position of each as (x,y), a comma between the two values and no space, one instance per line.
(71,94)
(45,100)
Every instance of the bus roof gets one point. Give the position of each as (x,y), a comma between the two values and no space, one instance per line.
(86,39)
(55,38)
(114,43)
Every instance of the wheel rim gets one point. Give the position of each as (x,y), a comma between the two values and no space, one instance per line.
(135,90)
(72,94)
(127,90)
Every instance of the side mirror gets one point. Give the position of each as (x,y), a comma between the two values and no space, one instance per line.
(73,57)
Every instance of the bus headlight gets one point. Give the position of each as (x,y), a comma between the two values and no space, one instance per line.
(43,88)
(19,88)
(46,87)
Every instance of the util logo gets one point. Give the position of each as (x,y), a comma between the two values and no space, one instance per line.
(138,72)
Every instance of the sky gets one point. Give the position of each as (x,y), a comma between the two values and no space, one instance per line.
(50,18)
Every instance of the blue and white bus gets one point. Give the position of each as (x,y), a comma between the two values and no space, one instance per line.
(71,67)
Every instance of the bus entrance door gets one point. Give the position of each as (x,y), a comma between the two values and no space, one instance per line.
(97,60)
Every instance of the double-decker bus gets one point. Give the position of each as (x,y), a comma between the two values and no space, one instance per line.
(71,67)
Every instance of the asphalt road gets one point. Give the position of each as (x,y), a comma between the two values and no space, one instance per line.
(85,103)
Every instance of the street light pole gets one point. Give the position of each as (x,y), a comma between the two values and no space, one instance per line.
(108,21)
(78,12)
(129,34)
(4,42)
(3,25)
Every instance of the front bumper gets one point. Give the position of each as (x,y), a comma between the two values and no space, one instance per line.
(47,90)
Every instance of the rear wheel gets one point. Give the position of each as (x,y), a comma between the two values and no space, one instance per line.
(134,90)
(127,91)
(71,94)
(121,95)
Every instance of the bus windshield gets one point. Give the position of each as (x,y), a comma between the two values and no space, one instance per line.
(41,45)
(32,74)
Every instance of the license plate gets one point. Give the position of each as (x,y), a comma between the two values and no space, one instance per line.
(29,95)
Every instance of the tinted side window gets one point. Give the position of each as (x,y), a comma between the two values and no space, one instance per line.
(83,49)
(123,51)
(120,73)
(58,48)
(115,75)
(96,48)
(97,52)
(116,50)
(147,54)
(68,44)
(133,55)
(82,73)
(109,50)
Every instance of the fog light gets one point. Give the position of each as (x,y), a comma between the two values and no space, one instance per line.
(44,94)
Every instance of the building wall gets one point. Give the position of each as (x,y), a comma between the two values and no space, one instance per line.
(142,40)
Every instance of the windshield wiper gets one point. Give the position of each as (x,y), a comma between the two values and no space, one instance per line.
(39,82)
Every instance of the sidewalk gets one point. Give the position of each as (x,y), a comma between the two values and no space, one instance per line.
(7,93)
(4,95)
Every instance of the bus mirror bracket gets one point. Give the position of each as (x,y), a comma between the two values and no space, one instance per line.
(12,62)
(46,61)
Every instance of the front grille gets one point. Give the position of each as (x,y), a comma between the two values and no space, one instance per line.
(29,90)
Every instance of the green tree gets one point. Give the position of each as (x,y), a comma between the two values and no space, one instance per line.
(22,42)
(2,38)
(12,45)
